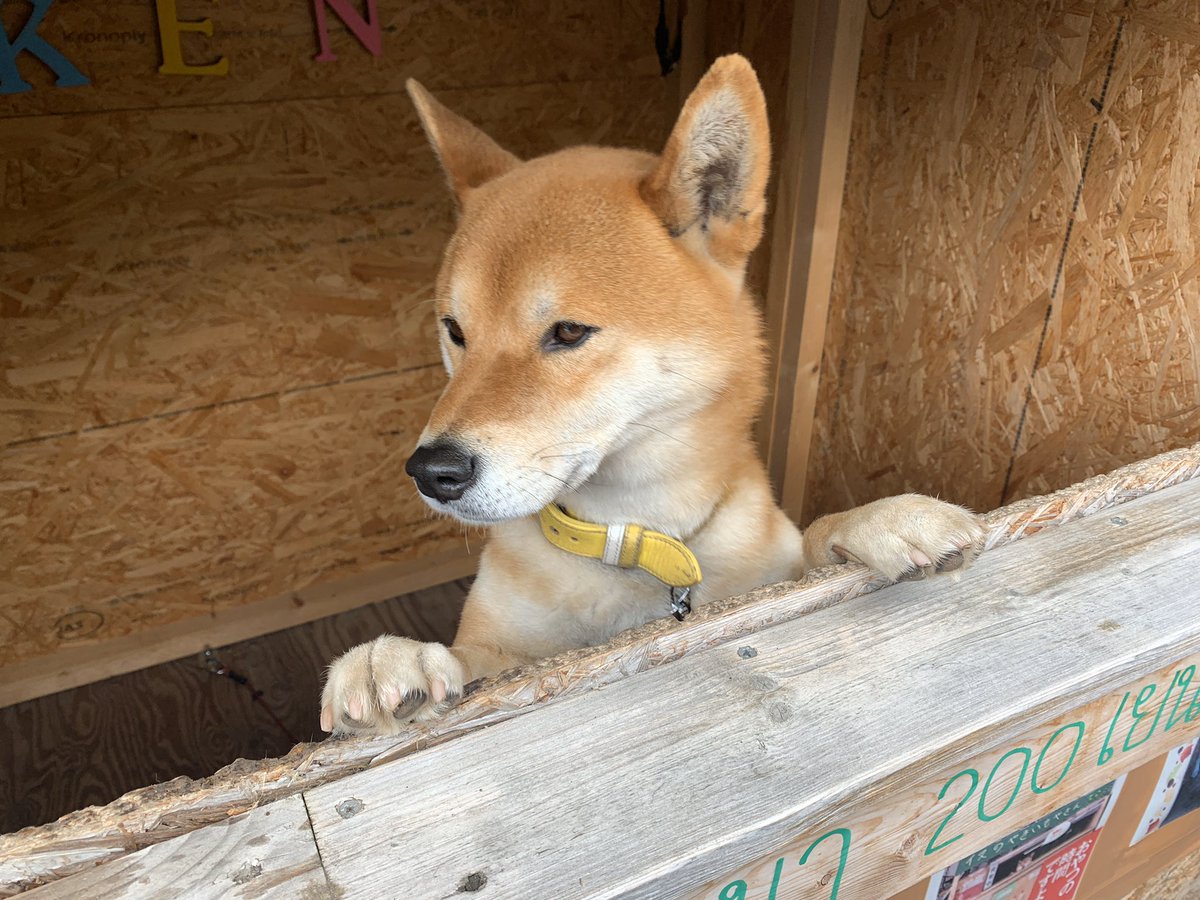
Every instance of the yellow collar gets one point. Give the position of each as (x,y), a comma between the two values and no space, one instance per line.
(625,546)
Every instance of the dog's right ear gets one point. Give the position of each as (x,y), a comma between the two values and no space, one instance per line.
(711,179)
(468,156)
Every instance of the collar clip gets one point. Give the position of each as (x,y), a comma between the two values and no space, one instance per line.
(680,605)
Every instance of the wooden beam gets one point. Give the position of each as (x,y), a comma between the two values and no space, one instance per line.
(693,63)
(268,853)
(863,718)
(826,41)
(72,666)
(83,839)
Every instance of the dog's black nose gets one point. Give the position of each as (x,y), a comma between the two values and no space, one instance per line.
(443,470)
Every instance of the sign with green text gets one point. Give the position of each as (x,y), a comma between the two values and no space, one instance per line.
(991,806)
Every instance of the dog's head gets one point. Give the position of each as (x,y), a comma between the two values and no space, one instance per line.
(591,298)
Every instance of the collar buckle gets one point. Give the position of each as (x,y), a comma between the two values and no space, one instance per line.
(680,605)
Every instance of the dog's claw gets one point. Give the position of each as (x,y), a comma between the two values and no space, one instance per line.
(951,561)
(353,721)
(843,555)
(411,702)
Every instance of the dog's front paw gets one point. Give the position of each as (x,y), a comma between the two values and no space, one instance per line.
(905,538)
(377,687)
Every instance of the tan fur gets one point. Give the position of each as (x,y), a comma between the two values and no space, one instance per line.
(649,421)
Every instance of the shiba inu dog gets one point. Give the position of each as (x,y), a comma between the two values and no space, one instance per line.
(606,365)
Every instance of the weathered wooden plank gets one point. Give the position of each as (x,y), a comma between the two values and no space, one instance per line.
(159,812)
(893,834)
(266,853)
(667,781)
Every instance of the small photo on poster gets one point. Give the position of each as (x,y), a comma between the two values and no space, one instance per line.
(1177,791)
(1043,860)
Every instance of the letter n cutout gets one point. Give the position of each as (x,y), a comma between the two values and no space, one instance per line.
(29,41)
(368,31)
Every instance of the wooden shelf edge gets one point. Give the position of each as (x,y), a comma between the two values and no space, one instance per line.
(69,668)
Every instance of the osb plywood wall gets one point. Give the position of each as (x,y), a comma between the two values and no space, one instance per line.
(1015,303)
(216,345)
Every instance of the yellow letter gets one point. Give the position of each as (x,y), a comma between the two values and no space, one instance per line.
(169,29)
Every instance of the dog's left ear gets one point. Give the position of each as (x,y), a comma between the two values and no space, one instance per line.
(468,156)
(712,175)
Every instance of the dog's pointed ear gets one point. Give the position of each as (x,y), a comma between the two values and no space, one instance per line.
(468,156)
(712,175)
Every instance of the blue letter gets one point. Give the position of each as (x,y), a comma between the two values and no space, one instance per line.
(28,40)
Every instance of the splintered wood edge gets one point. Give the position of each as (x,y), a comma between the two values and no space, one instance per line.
(40,854)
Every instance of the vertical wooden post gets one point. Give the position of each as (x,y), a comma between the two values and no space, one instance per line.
(823,78)
(695,37)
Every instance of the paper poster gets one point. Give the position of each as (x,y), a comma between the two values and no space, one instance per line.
(1177,791)
(1042,861)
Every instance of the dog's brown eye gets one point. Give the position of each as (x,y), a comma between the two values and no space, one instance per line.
(455,331)
(564,335)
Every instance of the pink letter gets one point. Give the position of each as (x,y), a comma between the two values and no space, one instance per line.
(366,30)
